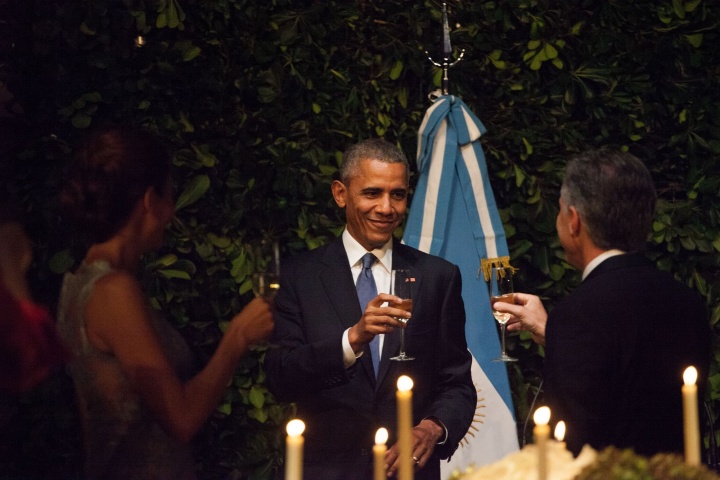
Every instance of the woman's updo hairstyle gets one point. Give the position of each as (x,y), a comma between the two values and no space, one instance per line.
(110,172)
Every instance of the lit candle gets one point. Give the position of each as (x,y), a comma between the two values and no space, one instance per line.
(560,433)
(691,422)
(379,450)
(404,413)
(294,450)
(541,432)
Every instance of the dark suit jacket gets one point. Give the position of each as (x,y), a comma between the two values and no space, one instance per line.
(615,354)
(343,408)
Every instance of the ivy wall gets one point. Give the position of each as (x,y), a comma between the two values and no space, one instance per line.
(260,98)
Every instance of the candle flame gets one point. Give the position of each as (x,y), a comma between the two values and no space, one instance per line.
(381,436)
(542,416)
(690,376)
(404,383)
(295,428)
(560,431)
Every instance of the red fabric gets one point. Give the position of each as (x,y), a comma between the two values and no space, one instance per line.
(29,346)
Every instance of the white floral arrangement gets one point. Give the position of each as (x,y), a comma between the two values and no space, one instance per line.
(523,464)
(609,464)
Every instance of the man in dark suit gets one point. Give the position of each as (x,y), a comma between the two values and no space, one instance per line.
(324,334)
(617,346)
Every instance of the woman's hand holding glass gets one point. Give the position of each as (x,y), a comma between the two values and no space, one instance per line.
(254,323)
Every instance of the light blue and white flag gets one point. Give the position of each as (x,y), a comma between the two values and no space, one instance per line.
(454,216)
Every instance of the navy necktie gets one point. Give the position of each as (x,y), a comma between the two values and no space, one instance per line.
(366,291)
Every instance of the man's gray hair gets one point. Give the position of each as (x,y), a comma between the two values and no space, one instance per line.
(370,149)
(615,196)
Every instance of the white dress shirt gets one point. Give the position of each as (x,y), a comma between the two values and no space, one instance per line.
(599,259)
(381,272)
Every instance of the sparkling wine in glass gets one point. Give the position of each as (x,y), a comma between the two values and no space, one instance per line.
(266,284)
(501,290)
(400,281)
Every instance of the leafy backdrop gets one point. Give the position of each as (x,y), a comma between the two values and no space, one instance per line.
(260,98)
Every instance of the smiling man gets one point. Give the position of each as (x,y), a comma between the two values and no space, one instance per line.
(336,331)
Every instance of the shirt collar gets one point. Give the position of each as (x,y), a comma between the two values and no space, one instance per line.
(599,259)
(355,251)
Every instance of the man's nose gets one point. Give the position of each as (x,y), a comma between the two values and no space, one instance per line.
(384,205)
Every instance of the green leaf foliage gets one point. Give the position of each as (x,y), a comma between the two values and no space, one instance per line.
(258,101)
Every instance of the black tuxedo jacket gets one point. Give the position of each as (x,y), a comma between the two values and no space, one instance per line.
(343,408)
(616,349)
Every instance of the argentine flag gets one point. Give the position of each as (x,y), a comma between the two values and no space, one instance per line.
(454,216)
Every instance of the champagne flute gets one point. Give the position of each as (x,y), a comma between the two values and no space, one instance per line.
(400,281)
(266,280)
(501,290)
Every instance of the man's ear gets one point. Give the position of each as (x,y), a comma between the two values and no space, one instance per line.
(339,191)
(148,198)
(575,222)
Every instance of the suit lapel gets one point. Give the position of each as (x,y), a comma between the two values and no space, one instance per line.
(402,258)
(338,282)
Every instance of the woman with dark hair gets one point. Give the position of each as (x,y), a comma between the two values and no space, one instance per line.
(29,347)
(138,400)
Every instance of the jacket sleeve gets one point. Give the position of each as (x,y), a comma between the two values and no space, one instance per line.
(303,358)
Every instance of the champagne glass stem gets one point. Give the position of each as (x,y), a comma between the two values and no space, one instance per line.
(502,338)
(400,283)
